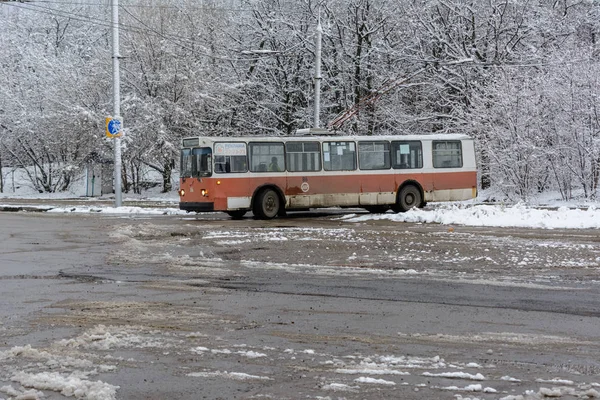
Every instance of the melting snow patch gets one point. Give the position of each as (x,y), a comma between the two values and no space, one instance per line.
(340,387)
(364,379)
(24,395)
(223,351)
(510,379)
(414,362)
(101,338)
(456,375)
(592,393)
(470,388)
(554,392)
(251,354)
(67,385)
(557,381)
(240,376)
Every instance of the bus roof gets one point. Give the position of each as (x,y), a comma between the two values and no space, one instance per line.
(334,138)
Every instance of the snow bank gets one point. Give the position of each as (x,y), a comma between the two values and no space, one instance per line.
(517,216)
(118,210)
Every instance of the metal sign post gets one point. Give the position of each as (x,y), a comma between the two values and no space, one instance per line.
(116,101)
(318,77)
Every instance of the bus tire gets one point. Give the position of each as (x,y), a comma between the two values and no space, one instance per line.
(267,204)
(409,197)
(236,214)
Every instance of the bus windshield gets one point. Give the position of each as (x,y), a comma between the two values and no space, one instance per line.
(196,162)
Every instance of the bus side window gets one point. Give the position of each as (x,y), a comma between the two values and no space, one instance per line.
(373,155)
(303,156)
(262,155)
(407,154)
(231,157)
(447,154)
(339,156)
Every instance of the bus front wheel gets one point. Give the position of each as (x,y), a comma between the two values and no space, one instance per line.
(409,197)
(267,204)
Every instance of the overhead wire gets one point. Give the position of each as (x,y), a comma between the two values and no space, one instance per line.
(175,39)
(210,8)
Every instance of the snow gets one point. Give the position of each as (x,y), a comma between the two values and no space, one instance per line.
(118,210)
(239,376)
(515,216)
(69,386)
(518,215)
(363,379)
(73,378)
(456,375)
(340,387)
(556,381)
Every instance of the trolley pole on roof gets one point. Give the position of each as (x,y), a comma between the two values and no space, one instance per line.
(116,99)
(318,76)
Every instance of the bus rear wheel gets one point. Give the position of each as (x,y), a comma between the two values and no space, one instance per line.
(267,204)
(236,214)
(409,197)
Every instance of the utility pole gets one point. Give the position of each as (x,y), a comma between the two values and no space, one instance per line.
(116,99)
(318,76)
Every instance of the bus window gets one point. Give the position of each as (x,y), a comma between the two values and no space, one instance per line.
(374,155)
(339,156)
(201,159)
(303,156)
(195,162)
(187,163)
(266,157)
(230,157)
(407,155)
(447,154)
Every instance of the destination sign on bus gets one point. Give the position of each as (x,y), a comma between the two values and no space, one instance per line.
(230,149)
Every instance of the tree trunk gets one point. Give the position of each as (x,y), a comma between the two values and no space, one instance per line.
(124,180)
(484,163)
(166,174)
(1,176)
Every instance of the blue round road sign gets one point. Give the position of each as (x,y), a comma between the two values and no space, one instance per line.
(114,126)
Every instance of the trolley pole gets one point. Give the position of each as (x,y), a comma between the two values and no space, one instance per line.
(116,99)
(318,76)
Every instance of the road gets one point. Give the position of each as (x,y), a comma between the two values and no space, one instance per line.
(308,307)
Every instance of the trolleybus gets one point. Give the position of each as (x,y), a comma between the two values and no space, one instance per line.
(270,175)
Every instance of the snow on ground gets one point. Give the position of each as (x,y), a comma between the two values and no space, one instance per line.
(347,372)
(518,216)
(118,210)
(468,213)
(35,371)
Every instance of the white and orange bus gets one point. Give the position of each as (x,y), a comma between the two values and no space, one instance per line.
(269,175)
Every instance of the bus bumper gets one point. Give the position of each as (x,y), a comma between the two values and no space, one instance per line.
(197,207)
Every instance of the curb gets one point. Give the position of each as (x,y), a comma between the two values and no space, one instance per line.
(24,208)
